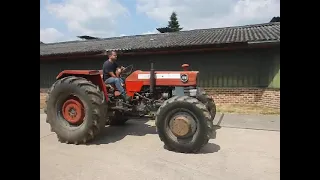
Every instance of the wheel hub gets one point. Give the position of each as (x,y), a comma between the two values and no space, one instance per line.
(73,111)
(180,126)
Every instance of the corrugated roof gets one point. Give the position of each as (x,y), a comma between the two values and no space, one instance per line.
(238,34)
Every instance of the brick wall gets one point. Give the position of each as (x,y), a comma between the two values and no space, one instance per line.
(249,96)
(271,98)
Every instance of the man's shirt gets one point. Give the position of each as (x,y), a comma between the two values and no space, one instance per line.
(108,66)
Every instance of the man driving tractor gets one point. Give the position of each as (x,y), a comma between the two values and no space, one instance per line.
(111,74)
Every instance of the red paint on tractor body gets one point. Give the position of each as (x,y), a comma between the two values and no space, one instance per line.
(132,83)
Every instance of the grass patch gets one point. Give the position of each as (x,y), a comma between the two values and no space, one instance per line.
(246,109)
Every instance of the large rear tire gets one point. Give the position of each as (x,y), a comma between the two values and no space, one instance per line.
(184,124)
(208,102)
(75,110)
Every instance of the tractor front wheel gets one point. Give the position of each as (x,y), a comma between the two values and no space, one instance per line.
(184,124)
(208,101)
(75,110)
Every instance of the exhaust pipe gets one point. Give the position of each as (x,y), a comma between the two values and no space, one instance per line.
(152,80)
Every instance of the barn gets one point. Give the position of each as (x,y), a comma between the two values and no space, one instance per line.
(238,65)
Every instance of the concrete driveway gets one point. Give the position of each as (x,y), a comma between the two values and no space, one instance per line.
(239,152)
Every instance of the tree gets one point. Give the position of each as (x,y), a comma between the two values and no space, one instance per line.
(174,23)
(275,19)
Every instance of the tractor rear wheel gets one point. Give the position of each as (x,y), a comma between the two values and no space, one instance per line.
(184,124)
(75,110)
(117,120)
(208,102)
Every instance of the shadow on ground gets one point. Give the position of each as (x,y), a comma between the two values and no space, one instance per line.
(112,134)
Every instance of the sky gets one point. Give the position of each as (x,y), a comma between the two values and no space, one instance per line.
(64,20)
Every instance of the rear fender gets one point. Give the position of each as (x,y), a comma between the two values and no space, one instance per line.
(92,75)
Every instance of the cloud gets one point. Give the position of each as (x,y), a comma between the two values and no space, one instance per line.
(196,14)
(63,20)
(49,35)
(151,32)
(89,17)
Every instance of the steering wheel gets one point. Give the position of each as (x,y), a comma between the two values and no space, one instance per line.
(127,71)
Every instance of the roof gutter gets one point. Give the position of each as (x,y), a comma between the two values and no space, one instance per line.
(272,42)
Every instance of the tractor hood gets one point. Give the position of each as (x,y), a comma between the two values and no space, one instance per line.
(166,78)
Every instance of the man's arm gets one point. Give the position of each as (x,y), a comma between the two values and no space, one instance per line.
(118,70)
(112,74)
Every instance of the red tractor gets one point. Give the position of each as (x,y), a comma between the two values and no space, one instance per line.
(80,104)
